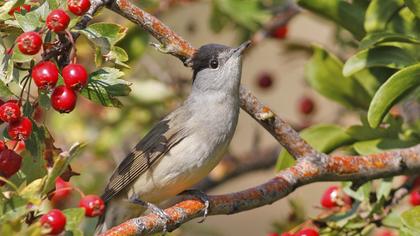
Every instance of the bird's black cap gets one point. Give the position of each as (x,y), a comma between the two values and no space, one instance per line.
(203,56)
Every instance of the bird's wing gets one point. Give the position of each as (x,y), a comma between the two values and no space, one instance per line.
(161,138)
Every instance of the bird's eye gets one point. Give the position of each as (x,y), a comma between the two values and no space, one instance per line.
(214,63)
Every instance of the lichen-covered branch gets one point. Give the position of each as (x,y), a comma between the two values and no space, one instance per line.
(307,170)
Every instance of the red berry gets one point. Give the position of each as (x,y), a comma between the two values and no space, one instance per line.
(63,99)
(306,105)
(93,205)
(384,232)
(21,129)
(334,197)
(280,32)
(2,145)
(54,221)
(29,43)
(307,232)
(9,112)
(10,163)
(75,76)
(415,197)
(62,189)
(265,80)
(272,234)
(45,75)
(78,7)
(19,9)
(57,20)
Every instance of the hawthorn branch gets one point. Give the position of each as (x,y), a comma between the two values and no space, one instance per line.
(306,171)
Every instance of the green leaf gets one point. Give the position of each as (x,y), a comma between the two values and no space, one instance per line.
(60,165)
(362,193)
(383,37)
(380,145)
(53,4)
(411,219)
(74,217)
(118,55)
(365,132)
(391,91)
(414,6)
(379,14)
(104,35)
(384,188)
(324,74)
(324,138)
(392,220)
(104,86)
(381,56)
(20,57)
(30,21)
(348,16)
(249,14)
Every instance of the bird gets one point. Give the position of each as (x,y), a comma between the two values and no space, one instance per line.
(182,148)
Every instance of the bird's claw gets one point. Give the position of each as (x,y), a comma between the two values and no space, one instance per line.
(203,197)
(154,209)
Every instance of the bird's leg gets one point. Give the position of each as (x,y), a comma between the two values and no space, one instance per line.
(154,209)
(203,197)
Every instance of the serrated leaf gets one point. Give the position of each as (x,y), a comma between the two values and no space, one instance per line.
(324,138)
(104,87)
(324,74)
(381,56)
(104,35)
(30,21)
(379,13)
(391,91)
(383,37)
(349,16)
(74,217)
(414,6)
(411,219)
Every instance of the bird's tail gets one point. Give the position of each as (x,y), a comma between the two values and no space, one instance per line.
(117,211)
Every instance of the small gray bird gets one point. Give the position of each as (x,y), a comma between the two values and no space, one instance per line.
(185,146)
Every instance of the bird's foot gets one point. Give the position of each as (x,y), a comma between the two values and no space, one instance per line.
(154,209)
(203,197)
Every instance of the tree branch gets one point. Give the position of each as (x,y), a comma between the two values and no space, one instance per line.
(307,170)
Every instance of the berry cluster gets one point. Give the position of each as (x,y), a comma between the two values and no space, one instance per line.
(46,74)
(19,128)
(54,221)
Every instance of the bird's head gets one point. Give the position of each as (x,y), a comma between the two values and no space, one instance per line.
(217,67)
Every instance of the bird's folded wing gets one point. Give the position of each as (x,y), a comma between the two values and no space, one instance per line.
(148,151)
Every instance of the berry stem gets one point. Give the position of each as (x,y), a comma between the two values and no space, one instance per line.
(9,183)
(72,55)
(25,79)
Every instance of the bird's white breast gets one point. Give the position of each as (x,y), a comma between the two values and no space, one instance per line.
(194,157)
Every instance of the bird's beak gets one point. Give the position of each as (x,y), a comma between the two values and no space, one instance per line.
(239,50)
